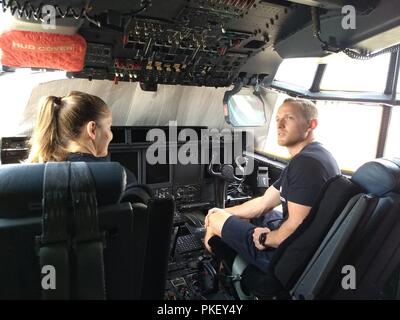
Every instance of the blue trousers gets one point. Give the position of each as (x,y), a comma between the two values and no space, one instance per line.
(238,234)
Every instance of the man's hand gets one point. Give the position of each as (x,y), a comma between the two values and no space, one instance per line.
(256,236)
(210,212)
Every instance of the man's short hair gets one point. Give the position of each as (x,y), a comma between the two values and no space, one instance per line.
(307,107)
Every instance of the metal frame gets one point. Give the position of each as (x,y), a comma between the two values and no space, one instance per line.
(383,130)
(386,97)
(316,84)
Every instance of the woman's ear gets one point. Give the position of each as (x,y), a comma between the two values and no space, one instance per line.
(91,129)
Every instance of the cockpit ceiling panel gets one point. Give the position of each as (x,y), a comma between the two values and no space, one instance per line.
(186,42)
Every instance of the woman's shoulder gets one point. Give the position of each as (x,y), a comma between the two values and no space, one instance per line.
(86,157)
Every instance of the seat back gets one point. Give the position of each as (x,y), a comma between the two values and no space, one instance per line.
(293,254)
(375,257)
(154,251)
(21,188)
(160,215)
(363,238)
(137,194)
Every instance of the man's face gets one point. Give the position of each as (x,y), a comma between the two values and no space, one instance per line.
(292,127)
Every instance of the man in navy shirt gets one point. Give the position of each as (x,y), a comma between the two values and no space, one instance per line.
(296,189)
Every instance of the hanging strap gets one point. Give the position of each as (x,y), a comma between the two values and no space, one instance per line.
(88,240)
(54,243)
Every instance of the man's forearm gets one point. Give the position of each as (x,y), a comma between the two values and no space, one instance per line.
(276,237)
(297,214)
(250,209)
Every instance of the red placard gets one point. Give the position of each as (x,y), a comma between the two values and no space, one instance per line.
(42,50)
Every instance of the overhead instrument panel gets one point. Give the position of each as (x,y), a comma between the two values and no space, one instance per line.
(187,42)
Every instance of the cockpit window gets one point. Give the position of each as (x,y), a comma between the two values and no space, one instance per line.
(299,71)
(392,147)
(345,74)
(349,130)
(345,128)
(246,110)
(398,87)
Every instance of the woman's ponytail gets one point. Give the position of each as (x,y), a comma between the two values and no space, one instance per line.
(45,141)
(60,122)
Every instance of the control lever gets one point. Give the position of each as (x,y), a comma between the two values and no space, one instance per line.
(238,161)
(227,171)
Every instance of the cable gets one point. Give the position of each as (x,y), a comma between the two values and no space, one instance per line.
(28,11)
(144,5)
(316,27)
(236,188)
(356,55)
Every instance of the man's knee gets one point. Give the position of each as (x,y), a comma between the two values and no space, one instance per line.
(217,220)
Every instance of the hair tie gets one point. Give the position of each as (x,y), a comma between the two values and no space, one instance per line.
(57,101)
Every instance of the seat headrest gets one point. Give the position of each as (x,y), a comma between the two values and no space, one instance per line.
(21,185)
(136,194)
(396,161)
(379,176)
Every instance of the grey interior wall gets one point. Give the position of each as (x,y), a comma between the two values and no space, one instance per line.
(132,106)
(189,106)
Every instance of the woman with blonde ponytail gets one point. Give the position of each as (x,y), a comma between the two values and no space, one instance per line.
(45,142)
(76,127)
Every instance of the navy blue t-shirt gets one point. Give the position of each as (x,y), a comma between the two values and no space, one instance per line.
(87,157)
(304,176)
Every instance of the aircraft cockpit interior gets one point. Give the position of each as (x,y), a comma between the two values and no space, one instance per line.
(194,87)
